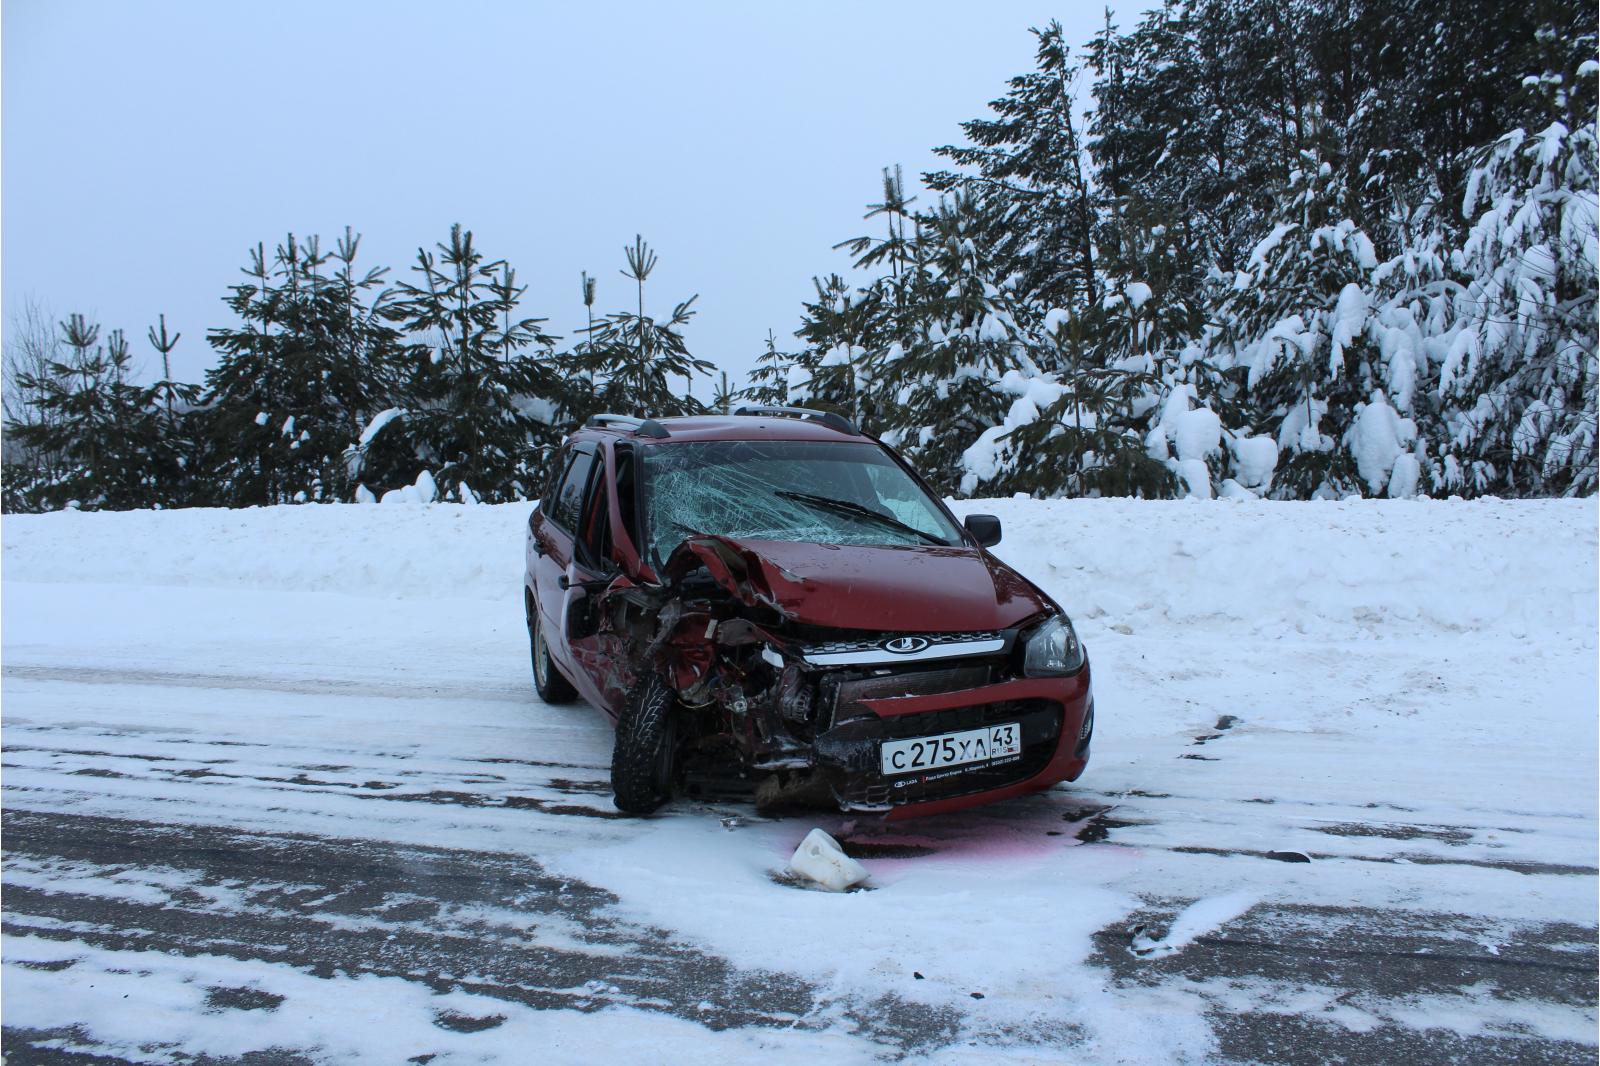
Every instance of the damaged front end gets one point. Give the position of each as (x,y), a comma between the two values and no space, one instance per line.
(777,702)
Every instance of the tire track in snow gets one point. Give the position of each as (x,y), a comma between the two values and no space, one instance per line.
(497,925)
(1302,985)
(342,687)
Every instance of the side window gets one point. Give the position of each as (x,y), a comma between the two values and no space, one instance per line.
(594,534)
(569,497)
(626,493)
(559,463)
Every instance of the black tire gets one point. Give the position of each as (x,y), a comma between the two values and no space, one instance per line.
(551,686)
(643,763)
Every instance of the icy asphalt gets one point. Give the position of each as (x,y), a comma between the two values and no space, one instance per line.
(277,789)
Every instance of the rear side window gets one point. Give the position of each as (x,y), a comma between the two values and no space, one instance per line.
(594,535)
(559,465)
(569,494)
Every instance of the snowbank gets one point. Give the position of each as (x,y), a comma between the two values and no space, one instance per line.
(1259,567)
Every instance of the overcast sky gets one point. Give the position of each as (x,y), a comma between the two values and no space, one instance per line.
(147,145)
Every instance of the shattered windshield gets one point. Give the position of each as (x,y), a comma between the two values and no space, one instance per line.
(816,492)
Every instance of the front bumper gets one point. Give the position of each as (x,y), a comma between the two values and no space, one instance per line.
(1051,712)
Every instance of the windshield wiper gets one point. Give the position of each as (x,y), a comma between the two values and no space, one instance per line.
(850,507)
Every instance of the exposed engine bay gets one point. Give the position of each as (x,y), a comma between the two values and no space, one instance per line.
(795,712)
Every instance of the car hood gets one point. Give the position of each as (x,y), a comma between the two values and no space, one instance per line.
(908,589)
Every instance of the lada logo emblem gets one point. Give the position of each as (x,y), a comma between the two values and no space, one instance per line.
(906,645)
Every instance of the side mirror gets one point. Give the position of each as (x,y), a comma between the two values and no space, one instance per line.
(985,528)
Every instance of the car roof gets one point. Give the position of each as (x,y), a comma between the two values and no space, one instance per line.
(699,428)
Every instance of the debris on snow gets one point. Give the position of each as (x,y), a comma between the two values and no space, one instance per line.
(819,858)
(1194,921)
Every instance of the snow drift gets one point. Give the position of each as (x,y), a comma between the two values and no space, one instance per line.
(1262,567)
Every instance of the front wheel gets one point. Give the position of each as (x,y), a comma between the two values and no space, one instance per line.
(644,759)
(552,687)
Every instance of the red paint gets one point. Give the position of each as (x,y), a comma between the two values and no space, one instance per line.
(917,589)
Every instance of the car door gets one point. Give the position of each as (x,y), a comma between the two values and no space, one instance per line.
(552,547)
(599,654)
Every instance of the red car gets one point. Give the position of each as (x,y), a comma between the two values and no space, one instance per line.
(771,603)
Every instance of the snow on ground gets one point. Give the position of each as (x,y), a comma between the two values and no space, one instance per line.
(1354,729)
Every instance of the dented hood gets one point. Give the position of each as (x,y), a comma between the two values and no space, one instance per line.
(918,589)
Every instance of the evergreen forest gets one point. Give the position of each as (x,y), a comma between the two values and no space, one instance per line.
(1290,249)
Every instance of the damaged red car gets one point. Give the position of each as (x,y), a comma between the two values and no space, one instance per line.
(773,605)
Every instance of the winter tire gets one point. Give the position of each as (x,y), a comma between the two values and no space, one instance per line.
(643,761)
(552,687)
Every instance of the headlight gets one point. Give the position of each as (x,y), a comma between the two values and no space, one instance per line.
(1053,650)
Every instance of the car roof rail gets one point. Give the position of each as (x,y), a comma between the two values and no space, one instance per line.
(827,418)
(644,427)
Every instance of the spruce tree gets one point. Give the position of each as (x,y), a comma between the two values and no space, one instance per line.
(1026,164)
(1518,386)
(171,458)
(769,381)
(1294,321)
(295,383)
(477,407)
(631,357)
(102,427)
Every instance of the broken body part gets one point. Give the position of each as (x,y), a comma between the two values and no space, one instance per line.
(776,696)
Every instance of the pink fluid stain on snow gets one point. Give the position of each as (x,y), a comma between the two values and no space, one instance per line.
(1007,833)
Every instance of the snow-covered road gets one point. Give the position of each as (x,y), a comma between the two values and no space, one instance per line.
(276,781)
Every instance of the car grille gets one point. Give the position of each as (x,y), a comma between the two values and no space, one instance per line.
(875,650)
(843,695)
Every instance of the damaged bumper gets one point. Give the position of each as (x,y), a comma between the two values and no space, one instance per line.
(1051,715)
(813,712)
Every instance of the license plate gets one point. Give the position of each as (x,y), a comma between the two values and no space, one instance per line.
(950,749)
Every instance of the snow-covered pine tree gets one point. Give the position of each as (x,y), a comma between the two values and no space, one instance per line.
(295,382)
(825,374)
(769,381)
(102,427)
(631,357)
(895,260)
(933,362)
(174,449)
(1181,127)
(1518,385)
(1072,429)
(1026,166)
(1293,324)
(476,410)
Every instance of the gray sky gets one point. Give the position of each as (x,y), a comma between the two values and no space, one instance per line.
(147,145)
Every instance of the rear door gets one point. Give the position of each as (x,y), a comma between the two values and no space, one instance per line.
(598,656)
(555,535)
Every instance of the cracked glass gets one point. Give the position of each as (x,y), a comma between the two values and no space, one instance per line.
(813,492)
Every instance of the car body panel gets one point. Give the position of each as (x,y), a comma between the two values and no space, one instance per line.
(910,588)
